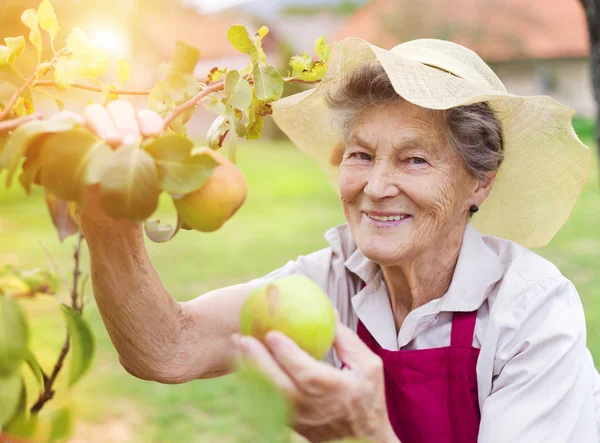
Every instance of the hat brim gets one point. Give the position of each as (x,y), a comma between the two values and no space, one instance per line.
(546,165)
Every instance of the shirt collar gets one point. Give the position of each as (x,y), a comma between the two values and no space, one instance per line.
(477,269)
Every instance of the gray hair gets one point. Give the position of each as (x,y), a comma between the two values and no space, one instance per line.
(473,131)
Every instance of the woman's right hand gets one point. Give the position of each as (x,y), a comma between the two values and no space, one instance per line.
(117,123)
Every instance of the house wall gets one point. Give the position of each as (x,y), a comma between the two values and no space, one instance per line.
(566,80)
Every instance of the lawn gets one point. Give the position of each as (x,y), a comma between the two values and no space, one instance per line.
(289,207)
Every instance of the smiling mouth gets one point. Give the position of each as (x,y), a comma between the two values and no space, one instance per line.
(386,218)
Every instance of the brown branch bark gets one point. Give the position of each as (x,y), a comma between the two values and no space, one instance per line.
(48,392)
(45,83)
(15,97)
(192,102)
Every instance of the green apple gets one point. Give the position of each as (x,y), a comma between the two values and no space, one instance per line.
(296,306)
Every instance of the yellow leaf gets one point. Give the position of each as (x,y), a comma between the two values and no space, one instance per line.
(30,19)
(14,48)
(240,40)
(262,31)
(185,58)
(47,18)
(323,49)
(124,70)
(215,74)
(130,184)
(18,143)
(66,72)
(93,59)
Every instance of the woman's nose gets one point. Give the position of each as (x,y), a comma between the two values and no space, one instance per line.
(381,184)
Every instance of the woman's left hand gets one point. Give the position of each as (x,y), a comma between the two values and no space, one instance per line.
(328,403)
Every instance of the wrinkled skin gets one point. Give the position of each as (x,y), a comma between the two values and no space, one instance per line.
(397,161)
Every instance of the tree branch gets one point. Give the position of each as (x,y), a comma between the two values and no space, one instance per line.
(41,83)
(192,102)
(15,97)
(48,393)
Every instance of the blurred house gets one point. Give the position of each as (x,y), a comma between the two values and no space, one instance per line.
(536,48)
(158,28)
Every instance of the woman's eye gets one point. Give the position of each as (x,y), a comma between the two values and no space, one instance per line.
(362,156)
(417,160)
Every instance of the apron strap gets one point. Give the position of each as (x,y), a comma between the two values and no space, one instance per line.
(463,328)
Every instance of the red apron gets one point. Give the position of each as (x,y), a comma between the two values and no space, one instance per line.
(431,394)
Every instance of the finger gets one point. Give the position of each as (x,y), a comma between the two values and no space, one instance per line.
(255,352)
(98,120)
(306,371)
(123,116)
(351,350)
(151,124)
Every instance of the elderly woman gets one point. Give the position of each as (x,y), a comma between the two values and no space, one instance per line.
(447,332)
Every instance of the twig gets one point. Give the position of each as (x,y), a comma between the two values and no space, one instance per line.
(192,102)
(94,88)
(48,392)
(15,96)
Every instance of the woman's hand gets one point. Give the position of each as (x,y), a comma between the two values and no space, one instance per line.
(117,123)
(328,403)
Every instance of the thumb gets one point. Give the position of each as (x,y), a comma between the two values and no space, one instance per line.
(350,349)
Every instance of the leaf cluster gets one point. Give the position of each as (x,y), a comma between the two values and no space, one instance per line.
(18,416)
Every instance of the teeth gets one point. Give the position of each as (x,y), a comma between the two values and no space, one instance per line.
(387,218)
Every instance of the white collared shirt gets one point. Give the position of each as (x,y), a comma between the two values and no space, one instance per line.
(536,378)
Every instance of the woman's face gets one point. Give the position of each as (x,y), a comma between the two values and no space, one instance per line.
(403,188)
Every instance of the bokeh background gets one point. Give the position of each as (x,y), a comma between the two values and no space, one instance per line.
(535,48)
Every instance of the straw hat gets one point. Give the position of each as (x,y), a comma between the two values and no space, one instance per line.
(545,166)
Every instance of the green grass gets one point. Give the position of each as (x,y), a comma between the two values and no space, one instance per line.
(289,207)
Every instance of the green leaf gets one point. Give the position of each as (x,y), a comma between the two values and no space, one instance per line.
(185,58)
(267,83)
(14,48)
(11,387)
(82,344)
(33,363)
(100,155)
(323,49)
(47,18)
(130,184)
(23,137)
(217,132)
(162,233)
(124,70)
(238,92)
(63,424)
(240,40)
(39,281)
(30,19)
(14,335)
(65,159)
(180,171)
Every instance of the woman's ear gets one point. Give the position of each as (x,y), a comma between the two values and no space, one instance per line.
(483,188)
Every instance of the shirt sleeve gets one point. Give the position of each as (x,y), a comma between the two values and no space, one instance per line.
(543,390)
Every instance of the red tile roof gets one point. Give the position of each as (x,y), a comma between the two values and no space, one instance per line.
(498,30)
